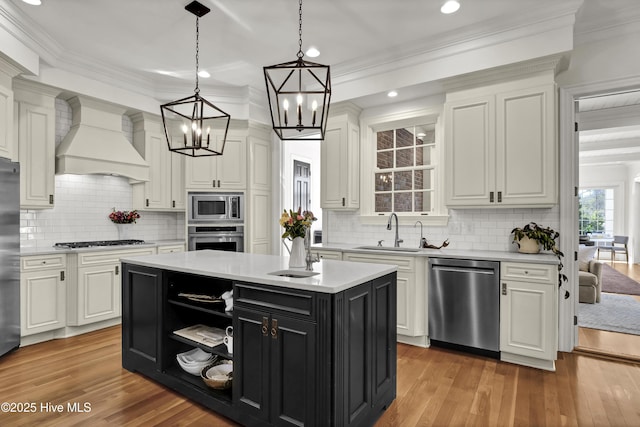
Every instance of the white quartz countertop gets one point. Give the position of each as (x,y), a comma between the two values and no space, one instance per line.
(542,258)
(54,250)
(332,277)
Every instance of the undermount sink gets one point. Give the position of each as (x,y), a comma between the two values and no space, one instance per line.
(388,248)
(297,274)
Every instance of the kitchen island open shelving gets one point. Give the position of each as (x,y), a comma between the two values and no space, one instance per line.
(317,350)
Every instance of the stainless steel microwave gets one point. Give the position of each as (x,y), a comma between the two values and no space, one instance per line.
(215,207)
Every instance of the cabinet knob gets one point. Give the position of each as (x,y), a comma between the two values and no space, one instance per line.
(265,326)
(274,329)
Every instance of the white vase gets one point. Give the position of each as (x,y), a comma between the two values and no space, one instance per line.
(297,256)
(124,231)
(528,246)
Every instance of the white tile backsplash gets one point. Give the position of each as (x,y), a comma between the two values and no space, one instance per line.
(469,229)
(82,206)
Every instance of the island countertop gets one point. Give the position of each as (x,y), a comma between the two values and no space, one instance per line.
(333,276)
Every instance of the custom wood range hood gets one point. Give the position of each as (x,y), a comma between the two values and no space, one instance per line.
(95,143)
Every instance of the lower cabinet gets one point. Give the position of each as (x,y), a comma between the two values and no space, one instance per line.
(529,314)
(274,376)
(300,358)
(412,307)
(43,293)
(94,292)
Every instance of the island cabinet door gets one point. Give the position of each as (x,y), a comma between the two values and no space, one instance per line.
(141,314)
(251,362)
(293,364)
(274,367)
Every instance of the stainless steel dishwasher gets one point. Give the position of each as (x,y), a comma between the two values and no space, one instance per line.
(464,304)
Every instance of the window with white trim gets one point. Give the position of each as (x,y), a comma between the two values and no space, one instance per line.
(405,170)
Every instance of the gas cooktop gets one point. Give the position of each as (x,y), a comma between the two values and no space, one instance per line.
(75,245)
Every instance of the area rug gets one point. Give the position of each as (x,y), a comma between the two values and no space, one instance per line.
(617,283)
(617,313)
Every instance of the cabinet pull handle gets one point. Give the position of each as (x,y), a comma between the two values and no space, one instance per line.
(62,276)
(265,326)
(491,196)
(214,183)
(218,183)
(504,289)
(50,199)
(274,329)
(499,196)
(117,270)
(174,203)
(343,201)
(147,202)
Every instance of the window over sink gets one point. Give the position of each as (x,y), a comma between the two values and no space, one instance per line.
(401,168)
(405,169)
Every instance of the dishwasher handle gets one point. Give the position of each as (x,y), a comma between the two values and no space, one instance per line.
(473,270)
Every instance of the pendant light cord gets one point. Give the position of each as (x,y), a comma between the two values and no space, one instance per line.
(197,89)
(300,53)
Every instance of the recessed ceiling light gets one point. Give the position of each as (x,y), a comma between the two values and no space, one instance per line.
(450,6)
(204,74)
(392,94)
(33,2)
(312,52)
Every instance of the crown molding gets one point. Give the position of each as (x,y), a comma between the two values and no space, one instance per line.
(625,22)
(491,32)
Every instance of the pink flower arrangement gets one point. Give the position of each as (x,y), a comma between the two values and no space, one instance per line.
(296,223)
(123,217)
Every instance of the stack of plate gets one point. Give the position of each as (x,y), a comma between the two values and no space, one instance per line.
(194,360)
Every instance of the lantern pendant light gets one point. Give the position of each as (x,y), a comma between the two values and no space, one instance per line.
(299,93)
(200,121)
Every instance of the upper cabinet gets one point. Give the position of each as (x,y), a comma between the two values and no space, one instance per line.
(340,159)
(165,189)
(7,141)
(35,115)
(501,146)
(226,172)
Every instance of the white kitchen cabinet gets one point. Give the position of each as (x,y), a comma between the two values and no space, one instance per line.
(411,290)
(340,160)
(43,293)
(165,189)
(529,314)
(259,224)
(95,283)
(34,108)
(167,249)
(7,143)
(501,146)
(226,172)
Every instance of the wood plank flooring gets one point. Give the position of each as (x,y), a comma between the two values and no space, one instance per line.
(436,387)
(612,344)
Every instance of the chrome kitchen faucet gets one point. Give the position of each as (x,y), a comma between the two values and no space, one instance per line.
(397,240)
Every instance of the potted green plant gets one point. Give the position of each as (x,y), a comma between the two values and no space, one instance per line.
(533,236)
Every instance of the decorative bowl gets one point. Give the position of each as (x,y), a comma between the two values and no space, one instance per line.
(218,375)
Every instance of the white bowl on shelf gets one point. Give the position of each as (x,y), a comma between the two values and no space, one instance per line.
(194,356)
(194,361)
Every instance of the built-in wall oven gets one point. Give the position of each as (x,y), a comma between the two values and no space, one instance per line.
(208,207)
(216,237)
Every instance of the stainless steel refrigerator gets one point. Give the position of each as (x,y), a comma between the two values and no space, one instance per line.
(9,256)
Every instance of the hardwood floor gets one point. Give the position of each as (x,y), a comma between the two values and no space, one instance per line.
(606,343)
(436,387)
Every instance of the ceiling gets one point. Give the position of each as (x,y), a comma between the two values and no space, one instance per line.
(148,46)
(138,40)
